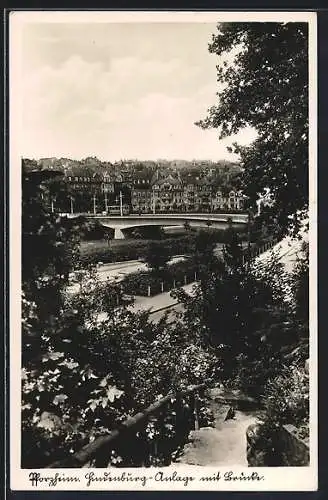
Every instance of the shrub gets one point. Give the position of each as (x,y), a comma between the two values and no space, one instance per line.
(286,398)
(285,401)
(90,376)
(123,250)
(174,276)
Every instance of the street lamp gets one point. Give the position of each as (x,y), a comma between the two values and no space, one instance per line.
(106,202)
(121,202)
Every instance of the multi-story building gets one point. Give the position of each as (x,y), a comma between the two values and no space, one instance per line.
(88,191)
(197,194)
(167,194)
(93,186)
(203,195)
(141,194)
(233,200)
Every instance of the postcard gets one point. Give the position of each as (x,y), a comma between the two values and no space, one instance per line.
(163,307)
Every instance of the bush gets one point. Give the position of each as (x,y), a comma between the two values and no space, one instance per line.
(89,376)
(286,398)
(174,276)
(285,401)
(117,251)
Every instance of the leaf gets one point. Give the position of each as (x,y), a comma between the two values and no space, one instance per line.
(53,356)
(103,383)
(93,405)
(60,398)
(113,393)
(90,374)
(104,402)
(69,364)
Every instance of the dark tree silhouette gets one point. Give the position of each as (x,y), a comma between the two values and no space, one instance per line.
(265,86)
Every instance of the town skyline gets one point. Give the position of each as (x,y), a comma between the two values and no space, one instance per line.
(130,159)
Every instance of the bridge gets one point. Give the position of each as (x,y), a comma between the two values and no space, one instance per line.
(120,223)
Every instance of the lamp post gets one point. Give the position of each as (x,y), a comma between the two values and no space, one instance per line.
(121,204)
(106,202)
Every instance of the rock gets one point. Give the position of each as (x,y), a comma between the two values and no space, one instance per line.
(256,457)
(287,450)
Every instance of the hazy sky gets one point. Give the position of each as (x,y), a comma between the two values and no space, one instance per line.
(118,91)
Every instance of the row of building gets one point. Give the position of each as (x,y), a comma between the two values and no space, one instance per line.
(176,194)
(162,191)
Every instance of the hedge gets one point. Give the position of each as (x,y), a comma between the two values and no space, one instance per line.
(151,283)
(134,249)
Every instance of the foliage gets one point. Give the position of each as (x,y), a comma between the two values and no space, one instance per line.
(84,375)
(156,257)
(97,361)
(50,250)
(96,231)
(272,57)
(299,282)
(174,276)
(121,250)
(286,398)
(285,401)
(232,248)
(246,310)
(203,252)
(95,373)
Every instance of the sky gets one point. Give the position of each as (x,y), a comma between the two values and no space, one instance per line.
(119,91)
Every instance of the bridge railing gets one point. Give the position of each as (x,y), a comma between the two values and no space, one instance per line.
(241,216)
(147,438)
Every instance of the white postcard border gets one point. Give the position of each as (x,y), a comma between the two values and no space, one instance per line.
(274,479)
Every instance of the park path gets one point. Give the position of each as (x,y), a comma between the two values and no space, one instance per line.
(221,445)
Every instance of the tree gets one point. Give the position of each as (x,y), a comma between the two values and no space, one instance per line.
(50,251)
(204,249)
(242,311)
(157,256)
(82,376)
(232,248)
(264,85)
